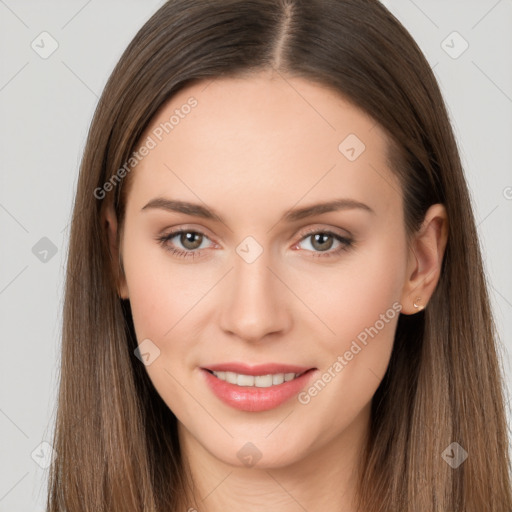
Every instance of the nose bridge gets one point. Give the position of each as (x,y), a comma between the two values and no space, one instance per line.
(255,303)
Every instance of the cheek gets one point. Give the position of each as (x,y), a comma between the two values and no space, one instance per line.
(351,296)
(162,299)
(362,307)
(169,310)
(358,304)
(161,291)
(170,304)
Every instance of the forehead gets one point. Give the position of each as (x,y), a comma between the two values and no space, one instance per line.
(262,139)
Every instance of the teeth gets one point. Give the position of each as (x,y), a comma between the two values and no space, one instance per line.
(278,378)
(259,381)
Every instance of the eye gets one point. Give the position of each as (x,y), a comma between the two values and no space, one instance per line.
(322,241)
(189,239)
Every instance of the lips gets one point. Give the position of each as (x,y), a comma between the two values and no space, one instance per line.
(254,398)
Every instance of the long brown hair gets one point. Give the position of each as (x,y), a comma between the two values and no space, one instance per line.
(116,440)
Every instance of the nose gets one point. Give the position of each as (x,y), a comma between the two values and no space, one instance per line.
(255,304)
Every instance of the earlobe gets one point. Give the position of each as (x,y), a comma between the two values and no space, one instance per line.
(425,260)
(110,224)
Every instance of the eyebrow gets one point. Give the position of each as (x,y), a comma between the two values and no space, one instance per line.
(293,215)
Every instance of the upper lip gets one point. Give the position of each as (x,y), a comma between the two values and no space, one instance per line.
(257,369)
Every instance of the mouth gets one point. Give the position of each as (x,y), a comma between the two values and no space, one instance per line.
(257,388)
(257,381)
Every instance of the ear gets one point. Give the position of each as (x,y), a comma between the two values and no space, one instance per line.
(426,253)
(109,221)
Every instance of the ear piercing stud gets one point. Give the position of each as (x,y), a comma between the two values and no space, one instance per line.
(417,304)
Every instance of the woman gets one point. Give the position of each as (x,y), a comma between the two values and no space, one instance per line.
(275,293)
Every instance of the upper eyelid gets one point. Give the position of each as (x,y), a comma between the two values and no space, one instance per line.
(306,230)
(335,231)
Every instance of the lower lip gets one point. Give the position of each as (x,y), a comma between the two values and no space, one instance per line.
(253,399)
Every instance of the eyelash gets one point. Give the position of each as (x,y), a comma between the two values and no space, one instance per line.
(346,243)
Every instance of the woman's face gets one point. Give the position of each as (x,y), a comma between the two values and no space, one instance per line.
(260,282)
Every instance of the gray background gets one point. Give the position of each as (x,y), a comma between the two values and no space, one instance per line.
(46,105)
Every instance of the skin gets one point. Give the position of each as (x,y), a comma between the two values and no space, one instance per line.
(252,149)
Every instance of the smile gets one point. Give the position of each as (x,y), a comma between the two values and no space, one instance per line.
(260,392)
(258,381)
